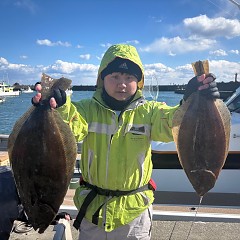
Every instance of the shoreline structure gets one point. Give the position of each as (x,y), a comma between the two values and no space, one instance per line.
(222,86)
(226,89)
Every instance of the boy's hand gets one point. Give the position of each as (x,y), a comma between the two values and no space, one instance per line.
(204,83)
(57,100)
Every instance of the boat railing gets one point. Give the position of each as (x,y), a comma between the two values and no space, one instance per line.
(3,142)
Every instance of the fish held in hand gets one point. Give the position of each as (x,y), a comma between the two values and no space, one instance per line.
(201,131)
(42,152)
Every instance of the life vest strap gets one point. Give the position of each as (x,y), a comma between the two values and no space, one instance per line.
(106,192)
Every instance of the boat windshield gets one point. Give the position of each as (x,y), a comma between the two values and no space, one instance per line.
(234,106)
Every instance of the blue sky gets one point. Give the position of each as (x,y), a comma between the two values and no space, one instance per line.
(69,38)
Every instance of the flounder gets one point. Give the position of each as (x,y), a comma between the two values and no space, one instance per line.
(201,131)
(42,152)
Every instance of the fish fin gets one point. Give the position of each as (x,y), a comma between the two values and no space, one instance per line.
(16,128)
(226,118)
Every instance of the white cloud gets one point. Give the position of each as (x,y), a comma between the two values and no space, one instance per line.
(3,61)
(155,19)
(86,74)
(23,57)
(80,74)
(26,4)
(157,67)
(171,54)
(69,67)
(136,42)
(100,57)
(167,75)
(237,52)
(186,67)
(218,53)
(132,42)
(49,43)
(224,70)
(178,45)
(213,27)
(85,56)
(106,45)
(44,42)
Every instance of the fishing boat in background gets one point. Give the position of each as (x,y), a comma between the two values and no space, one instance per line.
(28,90)
(7,90)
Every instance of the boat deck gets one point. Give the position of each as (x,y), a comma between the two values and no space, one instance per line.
(173,228)
(169,222)
(162,230)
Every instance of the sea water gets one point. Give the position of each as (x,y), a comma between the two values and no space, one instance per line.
(14,107)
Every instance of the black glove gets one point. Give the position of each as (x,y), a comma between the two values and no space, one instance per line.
(59,95)
(210,92)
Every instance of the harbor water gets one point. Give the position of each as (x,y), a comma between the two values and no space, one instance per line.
(14,107)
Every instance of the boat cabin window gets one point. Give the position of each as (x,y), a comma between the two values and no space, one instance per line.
(235,105)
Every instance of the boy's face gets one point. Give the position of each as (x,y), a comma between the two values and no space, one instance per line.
(120,86)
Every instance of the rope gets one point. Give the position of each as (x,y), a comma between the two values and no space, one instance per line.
(200,201)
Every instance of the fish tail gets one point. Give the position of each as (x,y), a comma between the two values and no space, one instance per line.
(202,180)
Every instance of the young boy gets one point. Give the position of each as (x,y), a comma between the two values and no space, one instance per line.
(117,126)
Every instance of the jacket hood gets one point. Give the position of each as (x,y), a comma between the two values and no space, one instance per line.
(122,51)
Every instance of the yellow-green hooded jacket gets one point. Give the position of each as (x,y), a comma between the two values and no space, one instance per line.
(116,149)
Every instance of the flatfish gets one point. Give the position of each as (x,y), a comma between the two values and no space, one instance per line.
(42,151)
(201,132)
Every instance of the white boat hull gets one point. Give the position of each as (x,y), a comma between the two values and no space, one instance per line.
(27,91)
(7,94)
